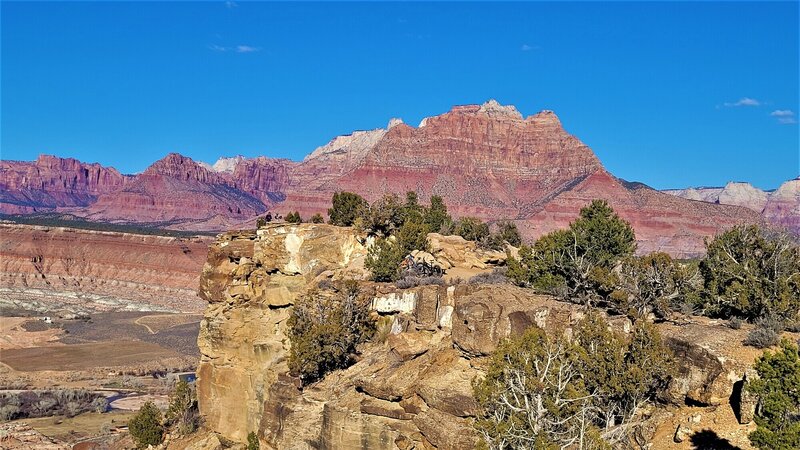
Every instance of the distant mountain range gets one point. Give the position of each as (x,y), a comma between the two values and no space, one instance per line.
(486,161)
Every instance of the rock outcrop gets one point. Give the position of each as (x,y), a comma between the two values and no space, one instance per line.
(415,389)
(52,268)
(486,161)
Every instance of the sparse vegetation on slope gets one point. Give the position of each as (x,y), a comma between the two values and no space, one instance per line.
(325,328)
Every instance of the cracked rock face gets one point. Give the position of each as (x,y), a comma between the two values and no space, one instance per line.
(411,391)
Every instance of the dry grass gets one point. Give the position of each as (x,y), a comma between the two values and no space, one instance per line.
(72,429)
(159,322)
(85,356)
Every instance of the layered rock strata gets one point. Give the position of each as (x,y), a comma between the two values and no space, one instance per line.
(50,268)
(486,161)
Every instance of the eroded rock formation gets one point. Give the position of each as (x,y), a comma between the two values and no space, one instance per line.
(415,389)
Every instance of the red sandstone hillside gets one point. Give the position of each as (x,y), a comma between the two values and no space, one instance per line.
(485,160)
(51,182)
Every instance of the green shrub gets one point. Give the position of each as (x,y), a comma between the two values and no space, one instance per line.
(347,207)
(622,372)
(383,260)
(145,427)
(436,216)
(385,217)
(386,254)
(749,273)
(507,233)
(252,441)
(472,229)
(778,389)
(542,390)
(576,264)
(183,415)
(317,218)
(532,396)
(293,217)
(324,330)
(654,283)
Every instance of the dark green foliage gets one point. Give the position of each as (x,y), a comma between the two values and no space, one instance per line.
(261,222)
(252,441)
(145,427)
(778,389)
(750,273)
(317,218)
(576,264)
(623,373)
(385,216)
(508,232)
(293,217)
(436,216)
(386,255)
(325,328)
(346,208)
(183,415)
(412,210)
(383,259)
(471,229)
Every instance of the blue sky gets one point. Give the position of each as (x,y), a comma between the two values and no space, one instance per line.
(670,94)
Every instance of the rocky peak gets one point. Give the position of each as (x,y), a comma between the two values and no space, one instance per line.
(350,146)
(743,194)
(495,110)
(182,168)
(545,118)
(393,122)
(227,165)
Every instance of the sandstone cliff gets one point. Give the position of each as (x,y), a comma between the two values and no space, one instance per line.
(414,389)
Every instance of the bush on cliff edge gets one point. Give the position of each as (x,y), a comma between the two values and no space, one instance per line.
(325,328)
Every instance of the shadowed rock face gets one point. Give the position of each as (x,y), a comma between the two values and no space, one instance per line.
(415,389)
(485,160)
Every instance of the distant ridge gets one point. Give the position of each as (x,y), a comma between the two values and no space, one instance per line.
(485,160)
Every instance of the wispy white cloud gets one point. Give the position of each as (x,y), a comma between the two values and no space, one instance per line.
(782,113)
(744,101)
(230,4)
(527,48)
(784,116)
(235,49)
(246,49)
